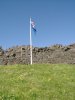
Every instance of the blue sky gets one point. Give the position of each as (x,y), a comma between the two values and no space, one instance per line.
(55,22)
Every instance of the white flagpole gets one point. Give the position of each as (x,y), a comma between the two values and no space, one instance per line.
(30,44)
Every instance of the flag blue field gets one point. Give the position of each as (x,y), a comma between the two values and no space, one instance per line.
(33,26)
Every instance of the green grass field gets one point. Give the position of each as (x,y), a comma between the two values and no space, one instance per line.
(37,82)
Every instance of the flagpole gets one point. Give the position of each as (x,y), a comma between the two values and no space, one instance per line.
(30,44)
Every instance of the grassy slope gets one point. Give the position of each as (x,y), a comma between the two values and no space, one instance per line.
(37,82)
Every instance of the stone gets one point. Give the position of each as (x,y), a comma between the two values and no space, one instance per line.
(54,54)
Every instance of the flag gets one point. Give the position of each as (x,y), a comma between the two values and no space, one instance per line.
(33,26)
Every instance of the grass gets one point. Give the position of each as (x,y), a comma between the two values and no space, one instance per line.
(37,82)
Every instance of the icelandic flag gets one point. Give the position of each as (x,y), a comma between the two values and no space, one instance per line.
(33,26)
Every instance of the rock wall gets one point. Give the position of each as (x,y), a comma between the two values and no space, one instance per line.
(54,54)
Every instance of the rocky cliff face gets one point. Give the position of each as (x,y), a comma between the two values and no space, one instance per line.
(54,54)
